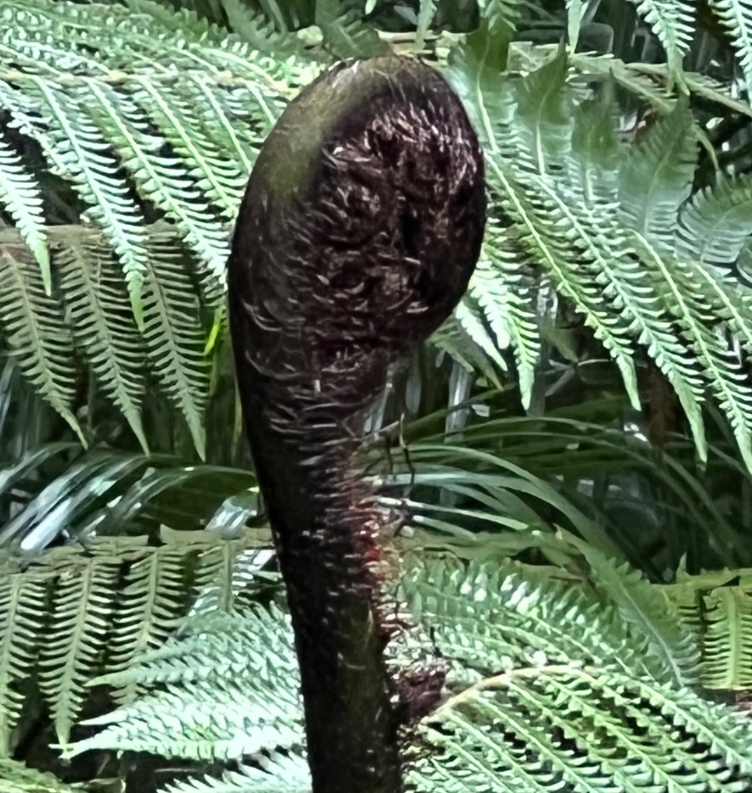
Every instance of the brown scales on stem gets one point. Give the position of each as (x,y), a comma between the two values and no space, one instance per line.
(357,236)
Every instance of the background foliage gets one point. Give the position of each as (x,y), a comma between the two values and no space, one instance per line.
(587,406)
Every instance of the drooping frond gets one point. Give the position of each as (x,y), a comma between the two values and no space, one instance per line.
(103,328)
(684,294)
(656,176)
(673,22)
(728,638)
(736,17)
(20,196)
(717,607)
(506,294)
(172,335)
(716,223)
(77,152)
(70,616)
(36,331)
(20,597)
(82,609)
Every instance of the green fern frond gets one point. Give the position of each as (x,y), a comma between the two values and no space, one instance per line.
(469,317)
(656,176)
(153,596)
(727,638)
(107,334)
(71,616)
(172,332)
(272,772)
(574,262)
(646,610)
(541,207)
(716,223)
(724,730)
(225,720)
(259,31)
(529,712)
(672,22)
(506,297)
(19,194)
(20,596)
(82,611)
(19,778)
(161,179)
(544,107)
(729,298)
(215,174)
(37,333)
(548,685)
(628,289)
(80,154)
(229,572)
(454,339)
(582,729)
(345,34)
(684,298)
(231,698)
(717,608)
(736,17)
(512,623)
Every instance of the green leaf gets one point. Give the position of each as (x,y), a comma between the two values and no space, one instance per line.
(37,333)
(19,194)
(715,224)
(656,177)
(673,22)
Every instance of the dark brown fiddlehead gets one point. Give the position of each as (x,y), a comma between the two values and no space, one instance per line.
(359,230)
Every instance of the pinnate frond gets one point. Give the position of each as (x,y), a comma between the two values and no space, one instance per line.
(19,194)
(103,328)
(36,332)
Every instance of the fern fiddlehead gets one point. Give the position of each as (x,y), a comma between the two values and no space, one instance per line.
(356,238)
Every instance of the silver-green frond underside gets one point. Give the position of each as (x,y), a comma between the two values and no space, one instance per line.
(67,611)
(549,687)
